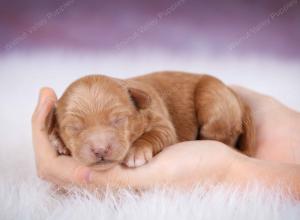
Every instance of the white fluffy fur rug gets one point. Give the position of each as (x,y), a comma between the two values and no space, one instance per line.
(24,196)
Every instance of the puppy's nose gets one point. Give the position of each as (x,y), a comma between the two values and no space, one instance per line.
(101,152)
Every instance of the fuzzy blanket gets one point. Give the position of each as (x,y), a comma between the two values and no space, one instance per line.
(24,196)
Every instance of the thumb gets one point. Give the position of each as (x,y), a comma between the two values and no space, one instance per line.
(40,139)
(47,99)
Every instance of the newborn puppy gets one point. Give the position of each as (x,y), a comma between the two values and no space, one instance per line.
(102,121)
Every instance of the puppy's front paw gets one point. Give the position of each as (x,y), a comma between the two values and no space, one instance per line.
(58,145)
(138,156)
(62,150)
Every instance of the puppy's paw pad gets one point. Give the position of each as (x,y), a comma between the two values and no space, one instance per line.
(129,161)
(139,162)
(63,150)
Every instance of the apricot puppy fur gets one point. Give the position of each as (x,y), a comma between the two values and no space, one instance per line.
(101,120)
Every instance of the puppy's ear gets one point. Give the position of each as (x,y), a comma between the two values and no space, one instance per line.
(246,142)
(140,98)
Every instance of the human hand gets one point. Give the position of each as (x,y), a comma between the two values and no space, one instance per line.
(277,127)
(183,165)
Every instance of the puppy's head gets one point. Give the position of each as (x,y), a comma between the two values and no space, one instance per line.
(98,118)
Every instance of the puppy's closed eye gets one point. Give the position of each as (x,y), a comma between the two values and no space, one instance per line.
(119,120)
(72,126)
(73,129)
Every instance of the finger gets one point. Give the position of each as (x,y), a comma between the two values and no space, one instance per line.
(101,178)
(122,177)
(64,171)
(67,171)
(42,146)
(46,101)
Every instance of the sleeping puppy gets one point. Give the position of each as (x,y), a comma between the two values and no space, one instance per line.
(102,121)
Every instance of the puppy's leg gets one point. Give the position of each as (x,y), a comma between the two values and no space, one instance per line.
(218,111)
(54,138)
(151,143)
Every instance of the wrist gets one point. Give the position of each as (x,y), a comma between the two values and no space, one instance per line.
(268,174)
(247,170)
(237,169)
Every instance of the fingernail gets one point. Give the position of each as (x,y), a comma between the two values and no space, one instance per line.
(44,101)
(87,176)
(84,174)
(42,97)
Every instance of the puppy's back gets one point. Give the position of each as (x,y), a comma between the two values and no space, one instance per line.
(176,89)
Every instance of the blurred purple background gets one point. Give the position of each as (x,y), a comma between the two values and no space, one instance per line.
(268,27)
